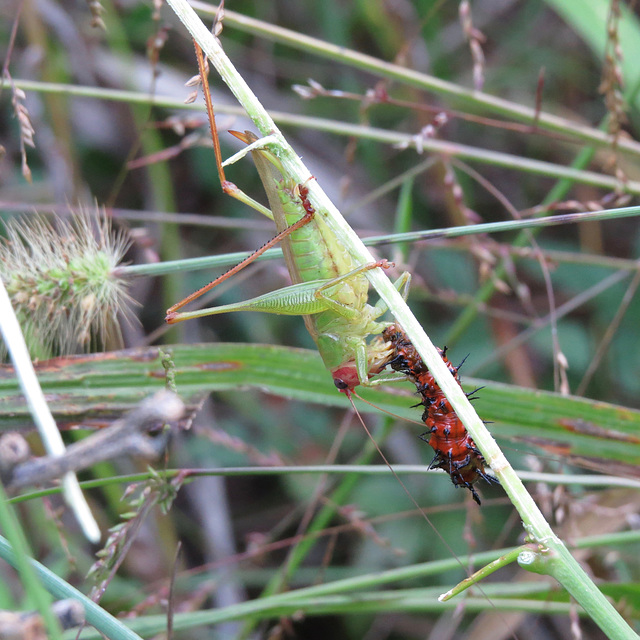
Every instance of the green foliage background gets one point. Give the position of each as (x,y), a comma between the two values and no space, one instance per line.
(277,407)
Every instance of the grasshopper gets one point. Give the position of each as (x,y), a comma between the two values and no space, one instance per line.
(329,289)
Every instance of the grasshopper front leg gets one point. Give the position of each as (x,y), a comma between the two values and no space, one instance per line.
(344,345)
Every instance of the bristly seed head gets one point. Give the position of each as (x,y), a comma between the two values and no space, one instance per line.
(59,276)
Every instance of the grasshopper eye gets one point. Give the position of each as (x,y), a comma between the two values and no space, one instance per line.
(340,384)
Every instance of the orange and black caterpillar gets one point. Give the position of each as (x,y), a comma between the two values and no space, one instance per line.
(456,452)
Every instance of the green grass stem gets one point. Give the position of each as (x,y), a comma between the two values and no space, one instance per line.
(573,577)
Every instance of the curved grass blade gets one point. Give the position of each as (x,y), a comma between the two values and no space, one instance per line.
(96,388)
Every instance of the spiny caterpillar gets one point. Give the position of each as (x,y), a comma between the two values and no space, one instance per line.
(455,451)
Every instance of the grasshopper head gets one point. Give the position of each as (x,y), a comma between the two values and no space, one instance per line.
(379,354)
(345,378)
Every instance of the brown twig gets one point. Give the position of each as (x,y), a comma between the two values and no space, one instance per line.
(128,436)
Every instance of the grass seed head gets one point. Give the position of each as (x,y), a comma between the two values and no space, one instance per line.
(60,278)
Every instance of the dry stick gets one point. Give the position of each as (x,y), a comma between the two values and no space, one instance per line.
(124,437)
(553,557)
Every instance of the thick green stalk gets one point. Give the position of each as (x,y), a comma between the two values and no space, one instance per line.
(573,577)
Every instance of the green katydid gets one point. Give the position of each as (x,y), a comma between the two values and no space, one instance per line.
(330,290)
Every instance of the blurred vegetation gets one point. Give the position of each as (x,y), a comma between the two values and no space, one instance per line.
(145,162)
